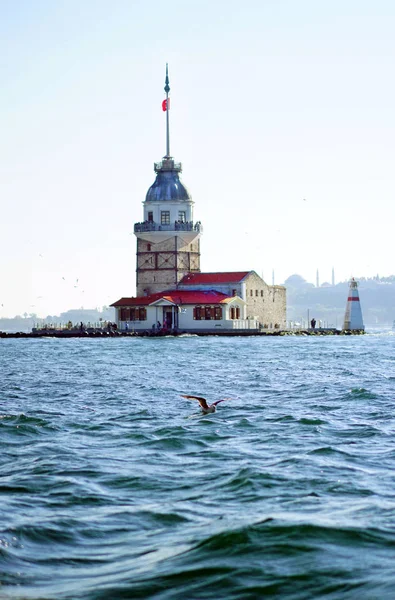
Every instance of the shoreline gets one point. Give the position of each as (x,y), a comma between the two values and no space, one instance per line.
(100,334)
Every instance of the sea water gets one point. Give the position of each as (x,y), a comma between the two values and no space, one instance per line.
(112,486)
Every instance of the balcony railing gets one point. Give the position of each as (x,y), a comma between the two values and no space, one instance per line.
(167,164)
(176,226)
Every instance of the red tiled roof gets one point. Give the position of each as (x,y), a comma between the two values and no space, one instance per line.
(213,278)
(175,296)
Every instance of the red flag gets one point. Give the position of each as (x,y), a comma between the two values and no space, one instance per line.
(166,105)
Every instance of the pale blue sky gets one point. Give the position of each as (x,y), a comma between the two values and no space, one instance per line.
(282,115)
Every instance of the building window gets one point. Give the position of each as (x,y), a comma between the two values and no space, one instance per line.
(182,216)
(137,314)
(198,313)
(207,313)
(165,217)
(234,292)
(251,293)
(149,247)
(125,314)
(256,292)
(218,313)
(150,217)
(235,312)
(262,293)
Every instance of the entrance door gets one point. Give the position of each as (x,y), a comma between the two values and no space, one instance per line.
(168,317)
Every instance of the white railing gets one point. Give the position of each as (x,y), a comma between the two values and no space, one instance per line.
(243,324)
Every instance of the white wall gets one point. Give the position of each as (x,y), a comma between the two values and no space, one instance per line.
(173,207)
(186,320)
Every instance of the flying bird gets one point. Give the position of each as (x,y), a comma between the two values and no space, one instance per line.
(206,408)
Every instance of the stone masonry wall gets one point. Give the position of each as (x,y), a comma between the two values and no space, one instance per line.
(266,302)
(173,257)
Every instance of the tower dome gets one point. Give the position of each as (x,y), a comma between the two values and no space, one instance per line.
(167,185)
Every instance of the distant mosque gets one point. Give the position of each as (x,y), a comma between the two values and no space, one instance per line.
(172,293)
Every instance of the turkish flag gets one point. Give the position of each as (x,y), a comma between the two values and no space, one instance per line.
(166,105)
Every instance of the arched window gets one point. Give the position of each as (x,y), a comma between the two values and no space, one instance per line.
(234,312)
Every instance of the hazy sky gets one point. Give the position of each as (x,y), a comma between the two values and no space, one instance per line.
(282,115)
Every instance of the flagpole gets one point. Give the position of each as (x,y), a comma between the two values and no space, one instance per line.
(167,90)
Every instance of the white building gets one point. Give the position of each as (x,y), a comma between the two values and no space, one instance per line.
(170,288)
(183,310)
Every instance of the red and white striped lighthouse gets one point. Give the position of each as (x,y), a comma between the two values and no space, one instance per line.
(353,320)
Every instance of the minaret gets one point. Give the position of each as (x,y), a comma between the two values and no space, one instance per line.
(333,276)
(317,279)
(353,317)
(168,239)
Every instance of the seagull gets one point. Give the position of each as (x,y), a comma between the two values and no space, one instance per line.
(206,408)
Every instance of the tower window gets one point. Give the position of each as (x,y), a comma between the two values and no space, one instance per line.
(150,217)
(165,217)
(148,247)
(182,216)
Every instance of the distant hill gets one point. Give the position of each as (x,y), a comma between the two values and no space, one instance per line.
(26,322)
(328,303)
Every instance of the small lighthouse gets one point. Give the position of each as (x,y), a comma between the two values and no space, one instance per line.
(353,320)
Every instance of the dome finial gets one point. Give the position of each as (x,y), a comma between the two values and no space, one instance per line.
(167,90)
(167,87)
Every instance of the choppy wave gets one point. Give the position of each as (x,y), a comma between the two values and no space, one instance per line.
(113,486)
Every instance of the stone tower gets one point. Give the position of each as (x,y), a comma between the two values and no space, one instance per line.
(168,239)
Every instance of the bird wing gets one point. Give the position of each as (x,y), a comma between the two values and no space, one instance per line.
(202,401)
(218,401)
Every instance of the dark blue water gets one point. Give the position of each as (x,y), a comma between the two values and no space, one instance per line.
(113,486)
